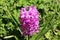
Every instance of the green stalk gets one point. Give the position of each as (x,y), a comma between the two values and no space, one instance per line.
(28,37)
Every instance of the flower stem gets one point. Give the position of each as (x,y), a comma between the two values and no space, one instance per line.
(28,37)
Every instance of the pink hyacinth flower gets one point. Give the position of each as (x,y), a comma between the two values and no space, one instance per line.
(29,20)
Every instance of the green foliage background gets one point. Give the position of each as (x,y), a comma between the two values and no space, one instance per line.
(49,19)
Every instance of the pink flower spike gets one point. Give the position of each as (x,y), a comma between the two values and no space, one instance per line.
(29,19)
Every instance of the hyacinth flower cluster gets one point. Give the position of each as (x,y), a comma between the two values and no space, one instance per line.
(29,19)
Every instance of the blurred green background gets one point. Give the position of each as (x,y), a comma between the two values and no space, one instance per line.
(49,19)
